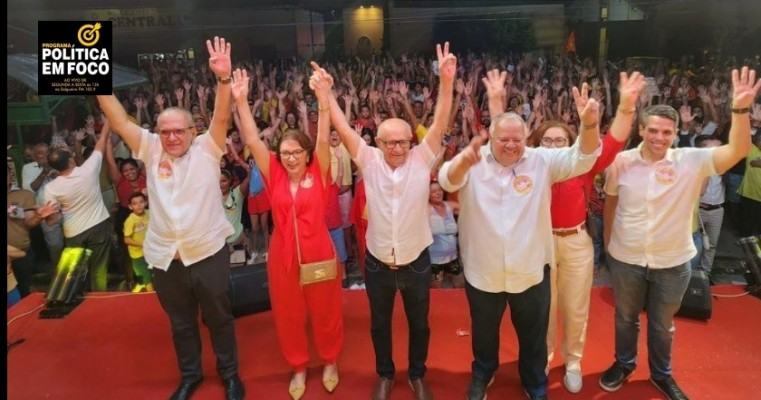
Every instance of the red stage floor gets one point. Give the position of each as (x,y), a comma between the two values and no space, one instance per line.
(118,346)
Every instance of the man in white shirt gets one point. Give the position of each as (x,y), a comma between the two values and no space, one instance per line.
(711,211)
(185,243)
(506,241)
(651,192)
(86,222)
(398,233)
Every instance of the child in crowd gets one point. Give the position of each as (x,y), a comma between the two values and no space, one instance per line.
(135,228)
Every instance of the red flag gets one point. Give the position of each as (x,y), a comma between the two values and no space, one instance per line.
(570,44)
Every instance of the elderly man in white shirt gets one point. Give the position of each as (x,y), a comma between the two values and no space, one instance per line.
(185,243)
(506,239)
(398,234)
(651,192)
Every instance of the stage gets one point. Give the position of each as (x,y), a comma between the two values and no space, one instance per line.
(119,346)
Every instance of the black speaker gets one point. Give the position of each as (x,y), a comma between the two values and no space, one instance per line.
(249,290)
(696,302)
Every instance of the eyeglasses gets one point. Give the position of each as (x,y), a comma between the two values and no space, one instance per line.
(558,141)
(296,153)
(390,144)
(176,132)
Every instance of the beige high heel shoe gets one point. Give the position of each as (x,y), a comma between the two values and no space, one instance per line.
(330,377)
(296,390)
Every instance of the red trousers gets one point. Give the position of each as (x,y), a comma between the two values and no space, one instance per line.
(291,303)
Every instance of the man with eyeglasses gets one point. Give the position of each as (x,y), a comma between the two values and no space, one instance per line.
(185,243)
(505,227)
(397,180)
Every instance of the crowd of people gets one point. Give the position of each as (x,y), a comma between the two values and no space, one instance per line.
(546,164)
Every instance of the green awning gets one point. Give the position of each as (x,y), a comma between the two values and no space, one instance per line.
(23,67)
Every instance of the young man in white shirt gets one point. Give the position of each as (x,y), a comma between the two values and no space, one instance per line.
(651,192)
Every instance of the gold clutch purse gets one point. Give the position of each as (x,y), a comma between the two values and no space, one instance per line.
(314,272)
(317,271)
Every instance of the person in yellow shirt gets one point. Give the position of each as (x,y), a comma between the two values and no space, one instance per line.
(135,227)
(750,190)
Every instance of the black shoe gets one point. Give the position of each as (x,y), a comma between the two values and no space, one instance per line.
(477,388)
(669,387)
(612,379)
(234,389)
(186,389)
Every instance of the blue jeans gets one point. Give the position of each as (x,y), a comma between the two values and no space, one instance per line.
(13,297)
(660,291)
(529,313)
(414,283)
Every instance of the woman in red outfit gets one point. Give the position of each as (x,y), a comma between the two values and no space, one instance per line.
(572,276)
(297,183)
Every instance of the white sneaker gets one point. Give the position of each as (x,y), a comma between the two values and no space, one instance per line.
(572,380)
(354,286)
(252,260)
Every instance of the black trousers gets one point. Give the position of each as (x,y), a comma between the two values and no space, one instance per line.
(414,283)
(529,313)
(182,290)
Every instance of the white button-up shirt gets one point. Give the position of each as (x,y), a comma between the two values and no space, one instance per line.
(186,204)
(505,225)
(653,220)
(397,202)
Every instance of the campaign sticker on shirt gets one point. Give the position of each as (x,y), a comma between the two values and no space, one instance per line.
(308,181)
(665,175)
(165,169)
(523,184)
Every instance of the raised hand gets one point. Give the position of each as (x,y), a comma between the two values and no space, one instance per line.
(47,210)
(744,87)
(219,57)
(160,100)
(471,154)
(686,114)
(321,82)
(402,88)
(587,108)
(459,86)
(495,83)
(447,63)
(239,86)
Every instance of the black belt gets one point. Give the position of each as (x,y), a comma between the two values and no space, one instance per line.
(709,207)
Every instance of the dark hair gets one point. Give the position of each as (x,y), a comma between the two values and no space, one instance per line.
(58,159)
(227,174)
(659,110)
(304,141)
(130,161)
(137,194)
